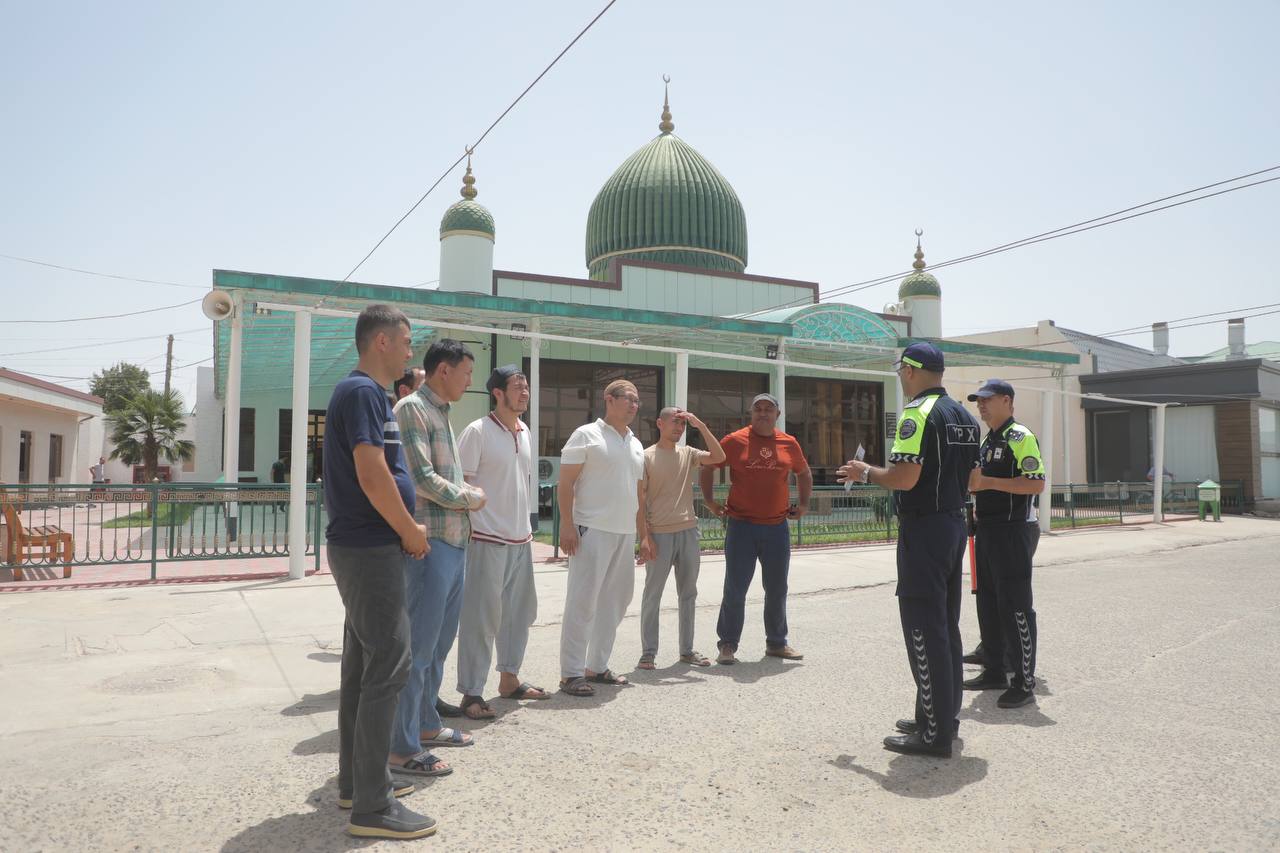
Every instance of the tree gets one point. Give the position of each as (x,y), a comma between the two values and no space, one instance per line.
(118,385)
(147,428)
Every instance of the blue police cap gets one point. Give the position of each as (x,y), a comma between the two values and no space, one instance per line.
(923,355)
(991,388)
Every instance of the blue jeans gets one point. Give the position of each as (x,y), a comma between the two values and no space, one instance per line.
(433,597)
(744,544)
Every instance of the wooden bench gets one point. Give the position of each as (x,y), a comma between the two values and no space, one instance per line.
(45,542)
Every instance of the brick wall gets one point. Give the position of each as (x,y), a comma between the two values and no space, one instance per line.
(1238,458)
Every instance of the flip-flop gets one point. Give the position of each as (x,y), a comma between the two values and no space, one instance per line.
(447,737)
(577,687)
(421,765)
(695,659)
(523,691)
(607,677)
(472,701)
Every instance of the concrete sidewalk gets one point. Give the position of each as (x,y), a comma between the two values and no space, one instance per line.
(202,717)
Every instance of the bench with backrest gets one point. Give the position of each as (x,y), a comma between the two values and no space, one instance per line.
(45,542)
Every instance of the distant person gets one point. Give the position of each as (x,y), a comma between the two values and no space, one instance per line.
(98,473)
(499,601)
(761,459)
(277,474)
(1006,489)
(408,383)
(369,496)
(600,470)
(670,528)
(433,587)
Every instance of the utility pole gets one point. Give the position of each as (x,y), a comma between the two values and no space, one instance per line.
(168,366)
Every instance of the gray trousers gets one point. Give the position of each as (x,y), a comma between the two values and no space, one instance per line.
(499,603)
(375,665)
(681,550)
(602,578)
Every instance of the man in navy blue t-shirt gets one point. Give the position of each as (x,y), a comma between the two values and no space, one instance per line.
(370,498)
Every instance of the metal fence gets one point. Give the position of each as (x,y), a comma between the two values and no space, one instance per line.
(93,525)
(1092,504)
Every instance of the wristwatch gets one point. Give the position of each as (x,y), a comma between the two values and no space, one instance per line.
(866,475)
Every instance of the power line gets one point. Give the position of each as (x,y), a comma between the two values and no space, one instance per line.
(1193,317)
(99,274)
(476,144)
(108,316)
(88,378)
(88,346)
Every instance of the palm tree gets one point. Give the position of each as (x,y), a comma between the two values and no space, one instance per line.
(146,428)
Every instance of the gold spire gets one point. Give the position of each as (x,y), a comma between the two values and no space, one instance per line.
(468,181)
(919,263)
(666,125)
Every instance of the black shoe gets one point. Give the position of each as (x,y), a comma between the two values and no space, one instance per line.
(398,788)
(915,745)
(988,680)
(444,709)
(909,726)
(977,656)
(395,821)
(1015,697)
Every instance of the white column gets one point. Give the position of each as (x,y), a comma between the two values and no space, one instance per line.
(298,444)
(682,387)
(780,391)
(1046,462)
(231,417)
(1066,432)
(1157,470)
(535,405)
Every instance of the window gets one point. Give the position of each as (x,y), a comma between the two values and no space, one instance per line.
(315,441)
(571,393)
(55,457)
(831,417)
(722,398)
(26,445)
(247,416)
(1269,447)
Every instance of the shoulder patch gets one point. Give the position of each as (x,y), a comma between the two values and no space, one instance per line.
(1015,435)
(907,429)
(1030,463)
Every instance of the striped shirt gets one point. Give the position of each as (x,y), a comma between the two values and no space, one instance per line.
(432,457)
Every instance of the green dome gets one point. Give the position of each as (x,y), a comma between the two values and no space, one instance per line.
(467,215)
(666,203)
(919,284)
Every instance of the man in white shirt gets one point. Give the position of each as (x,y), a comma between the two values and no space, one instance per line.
(499,601)
(600,469)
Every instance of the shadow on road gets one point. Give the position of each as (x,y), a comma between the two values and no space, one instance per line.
(321,829)
(921,778)
(312,703)
(983,710)
(749,672)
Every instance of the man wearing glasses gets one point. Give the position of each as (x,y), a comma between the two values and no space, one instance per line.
(600,471)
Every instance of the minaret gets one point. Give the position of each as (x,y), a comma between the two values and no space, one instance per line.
(921,297)
(466,242)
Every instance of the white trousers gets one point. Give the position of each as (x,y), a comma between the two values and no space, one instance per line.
(602,578)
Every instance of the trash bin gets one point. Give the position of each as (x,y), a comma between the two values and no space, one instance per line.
(1209,497)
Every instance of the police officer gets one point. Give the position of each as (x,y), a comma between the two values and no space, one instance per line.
(1006,490)
(935,451)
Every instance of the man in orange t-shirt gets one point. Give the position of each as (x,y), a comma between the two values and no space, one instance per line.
(761,460)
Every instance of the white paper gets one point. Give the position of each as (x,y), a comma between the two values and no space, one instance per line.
(858,455)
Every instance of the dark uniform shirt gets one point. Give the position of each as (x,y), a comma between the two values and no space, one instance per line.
(938,434)
(1010,450)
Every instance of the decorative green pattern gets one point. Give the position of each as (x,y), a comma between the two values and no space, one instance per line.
(467,215)
(919,283)
(834,321)
(668,199)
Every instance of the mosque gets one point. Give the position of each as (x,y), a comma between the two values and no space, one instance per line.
(666,302)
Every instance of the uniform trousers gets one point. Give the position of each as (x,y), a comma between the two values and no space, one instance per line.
(930,588)
(1005,615)
(678,549)
(499,603)
(601,581)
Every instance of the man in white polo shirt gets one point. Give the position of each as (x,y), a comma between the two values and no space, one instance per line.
(600,470)
(498,599)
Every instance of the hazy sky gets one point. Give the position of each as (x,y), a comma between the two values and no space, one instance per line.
(162,140)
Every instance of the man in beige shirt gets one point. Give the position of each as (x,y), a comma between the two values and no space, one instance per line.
(669,528)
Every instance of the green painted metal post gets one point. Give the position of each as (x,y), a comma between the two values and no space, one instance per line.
(555,523)
(319,515)
(1120,501)
(154,488)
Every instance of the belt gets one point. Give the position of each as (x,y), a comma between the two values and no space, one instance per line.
(958,512)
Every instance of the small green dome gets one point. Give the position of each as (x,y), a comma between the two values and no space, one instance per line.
(919,283)
(467,215)
(667,203)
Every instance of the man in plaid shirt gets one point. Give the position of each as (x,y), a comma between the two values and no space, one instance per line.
(433,584)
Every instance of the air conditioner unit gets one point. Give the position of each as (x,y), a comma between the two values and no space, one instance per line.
(548,470)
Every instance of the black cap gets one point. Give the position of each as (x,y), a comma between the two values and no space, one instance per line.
(923,355)
(500,375)
(991,388)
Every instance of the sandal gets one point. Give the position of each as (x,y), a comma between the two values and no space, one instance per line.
(607,677)
(424,764)
(486,711)
(695,659)
(524,691)
(577,687)
(646,662)
(448,737)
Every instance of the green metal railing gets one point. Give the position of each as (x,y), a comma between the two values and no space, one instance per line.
(158,522)
(1092,504)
